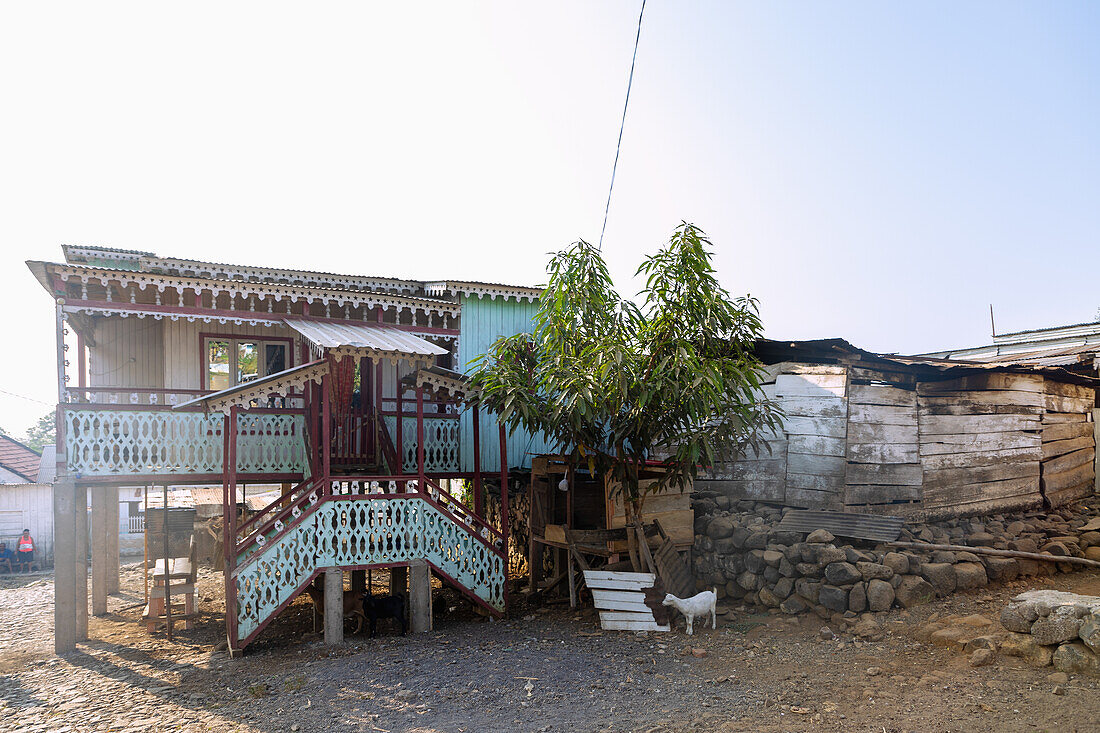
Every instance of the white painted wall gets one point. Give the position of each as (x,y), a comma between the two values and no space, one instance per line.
(30,506)
(129,352)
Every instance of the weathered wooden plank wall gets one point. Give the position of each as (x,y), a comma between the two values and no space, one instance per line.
(815,401)
(1068,466)
(980,439)
(882,449)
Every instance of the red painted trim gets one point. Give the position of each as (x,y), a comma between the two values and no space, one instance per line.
(247,315)
(479,499)
(420,434)
(504,505)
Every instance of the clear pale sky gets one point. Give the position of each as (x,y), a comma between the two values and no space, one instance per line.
(875,171)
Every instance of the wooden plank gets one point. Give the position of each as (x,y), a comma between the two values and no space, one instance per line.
(636,606)
(969,443)
(611,597)
(756,489)
(976,408)
(771,371)
(1073,477)
(980,458)
(945,478)
(1069,461)
(1065,389)
(872,494)
(618,581)
(814,482)
(962,493)
(1067,431)
(616,615)
(831,427)
(818,444)
(1056,403)
(810,499)
(977,397)
(1061,447)
(990,381)
(884,474)
(902,376)
(811,385)
(827,406)
(867,433)
(978,424)
(871,394)
(816,464)
(767,450)
(747,469)
(1061,417)
(883,415)
(1064,496)
(883,452)
(632,626)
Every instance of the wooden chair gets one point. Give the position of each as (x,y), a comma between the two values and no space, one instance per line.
(177,578)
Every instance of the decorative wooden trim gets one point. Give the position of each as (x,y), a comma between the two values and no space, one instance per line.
(483,290)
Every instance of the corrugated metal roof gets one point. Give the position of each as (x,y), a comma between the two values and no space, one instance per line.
(875,527)
(375,338)
(47,469)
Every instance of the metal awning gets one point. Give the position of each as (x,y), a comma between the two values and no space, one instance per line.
(258,390)
(376,341)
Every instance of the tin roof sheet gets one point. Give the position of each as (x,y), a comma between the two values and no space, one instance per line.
(375,338)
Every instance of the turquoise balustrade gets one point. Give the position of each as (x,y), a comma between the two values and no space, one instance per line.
(165,442)
(442,451)
(339,532)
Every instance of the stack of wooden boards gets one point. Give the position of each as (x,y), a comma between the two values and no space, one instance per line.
(889,437)
(621,598)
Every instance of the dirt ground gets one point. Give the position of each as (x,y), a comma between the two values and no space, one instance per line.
(538,671)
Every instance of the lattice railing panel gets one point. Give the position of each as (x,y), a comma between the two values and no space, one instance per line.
(152,442)
(442,449)
(363,531)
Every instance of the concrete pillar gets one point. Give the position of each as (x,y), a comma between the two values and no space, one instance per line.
(334,607)
(112,541)
(420,596)
(64,566)
(100,517)
(81,555)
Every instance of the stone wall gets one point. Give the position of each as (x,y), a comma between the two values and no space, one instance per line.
(740,551)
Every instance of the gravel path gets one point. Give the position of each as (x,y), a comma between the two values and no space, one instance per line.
(550,671)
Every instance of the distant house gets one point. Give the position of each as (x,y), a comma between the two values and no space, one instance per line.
(1075,347)
(26,495)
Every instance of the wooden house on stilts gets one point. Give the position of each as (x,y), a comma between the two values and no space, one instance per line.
(348,391)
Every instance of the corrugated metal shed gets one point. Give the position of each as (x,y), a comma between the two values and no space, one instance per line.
(374,338)
(873,527)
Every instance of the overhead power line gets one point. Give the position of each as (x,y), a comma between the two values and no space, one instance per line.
(618,145)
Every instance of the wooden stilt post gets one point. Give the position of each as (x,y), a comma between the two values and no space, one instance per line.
(399,433)
(504,506)
(420,438)
(229,525)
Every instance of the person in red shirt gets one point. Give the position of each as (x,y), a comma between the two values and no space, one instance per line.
(24,550)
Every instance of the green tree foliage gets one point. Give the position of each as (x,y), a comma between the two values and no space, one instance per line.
(616,384)
(41,433)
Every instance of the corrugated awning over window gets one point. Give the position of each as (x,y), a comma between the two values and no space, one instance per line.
(365,340)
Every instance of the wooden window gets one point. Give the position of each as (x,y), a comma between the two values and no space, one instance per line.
(230,361)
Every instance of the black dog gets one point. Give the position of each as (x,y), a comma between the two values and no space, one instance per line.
(384,607)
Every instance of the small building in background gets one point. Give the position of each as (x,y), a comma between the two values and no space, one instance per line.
(26,496)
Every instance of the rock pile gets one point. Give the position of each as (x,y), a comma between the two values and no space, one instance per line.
(740,550)
(1052,627)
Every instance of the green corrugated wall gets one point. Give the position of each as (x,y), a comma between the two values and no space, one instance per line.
(483,321)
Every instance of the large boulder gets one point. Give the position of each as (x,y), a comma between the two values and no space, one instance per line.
(1076,658)
(1001,569)
(833,598)
(827,554)
(941,575)
(913,591)
(1090,631)
(897,562)
(970,575)
(820,536)
(721,527)
(857,598)
(1025,647)
(872,570)
(1062,625)
(842,573)
(880,595)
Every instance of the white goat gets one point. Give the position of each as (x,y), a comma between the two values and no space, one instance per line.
(699,604)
